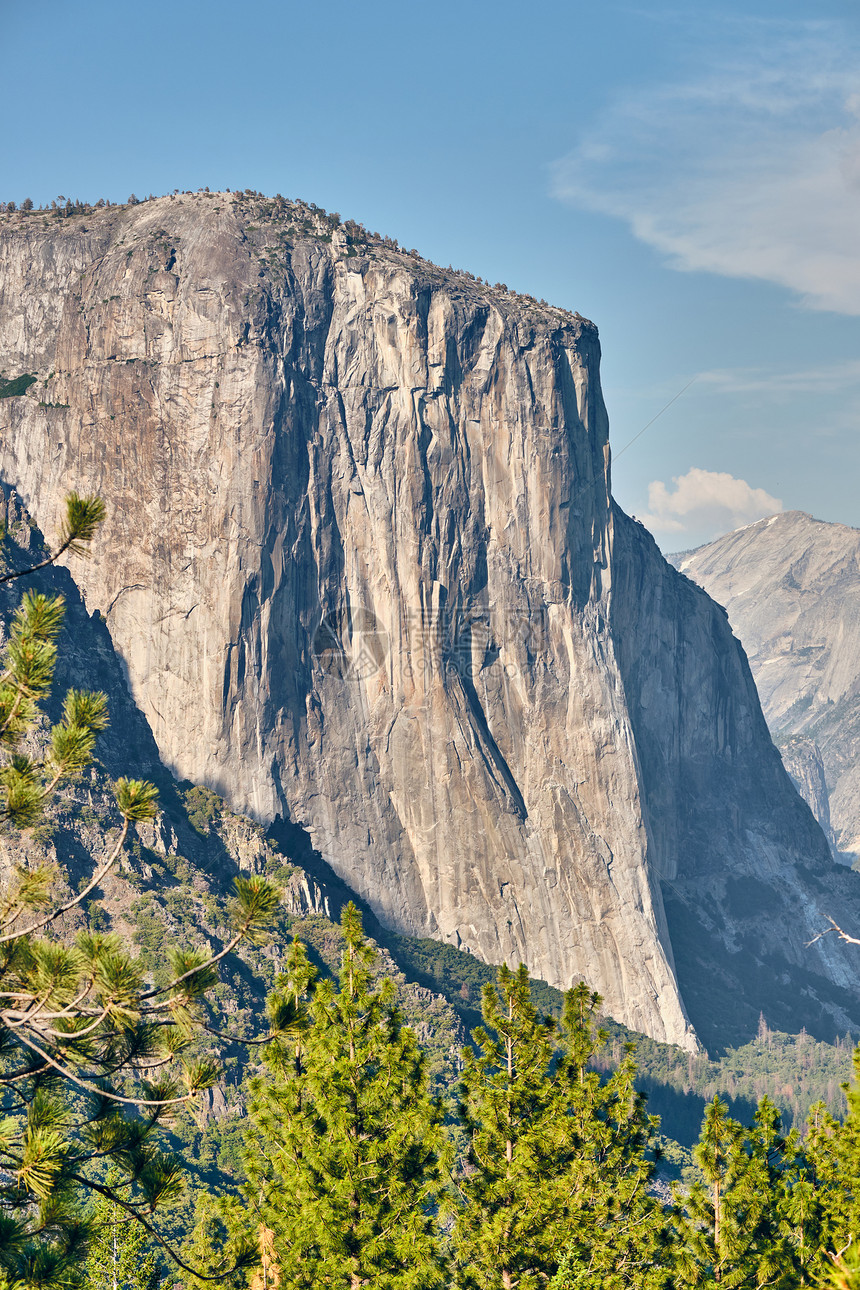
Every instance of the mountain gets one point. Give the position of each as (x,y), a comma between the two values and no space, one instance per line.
(791,587)
(367,582)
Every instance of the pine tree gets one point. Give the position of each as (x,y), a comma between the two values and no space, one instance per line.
(848,1157)
(118,1257)
(224,1244)
(558,1161)
(344,1146)
(616,1232)
(504,1231)
(740,1223)
(718,1156)
(833,1154)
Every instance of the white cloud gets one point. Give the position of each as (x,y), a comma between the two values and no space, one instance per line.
(749,169)
(706,500)
(828,378)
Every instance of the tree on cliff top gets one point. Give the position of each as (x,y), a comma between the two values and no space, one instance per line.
(91,1057)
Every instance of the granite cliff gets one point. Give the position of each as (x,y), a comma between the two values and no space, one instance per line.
(791,587)
(365,575)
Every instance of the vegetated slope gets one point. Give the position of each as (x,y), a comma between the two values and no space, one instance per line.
(791,588)
(363,569)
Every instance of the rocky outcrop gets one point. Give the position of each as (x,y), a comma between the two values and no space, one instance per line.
(804,763)
(363,569)
(791,587)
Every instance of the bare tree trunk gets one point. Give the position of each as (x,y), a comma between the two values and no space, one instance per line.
(507,1281)
(509,1044)
(717,1276)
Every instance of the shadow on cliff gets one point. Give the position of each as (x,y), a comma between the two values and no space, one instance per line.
(295,843)
(87,659)
(744,867)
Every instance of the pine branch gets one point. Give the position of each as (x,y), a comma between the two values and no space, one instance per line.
(130,1209)
(93,1088)
(62,909)
(83,517)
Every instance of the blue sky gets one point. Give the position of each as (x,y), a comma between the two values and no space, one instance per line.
(687,177)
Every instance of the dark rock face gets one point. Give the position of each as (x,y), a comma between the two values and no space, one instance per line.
(745,885)
(364,573)
(86,657)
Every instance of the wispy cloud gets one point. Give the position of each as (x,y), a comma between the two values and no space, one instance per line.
(706,500)
(828,378)
(748,168)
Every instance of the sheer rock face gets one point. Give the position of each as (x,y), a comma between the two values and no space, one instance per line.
(363,568)
(791,587)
